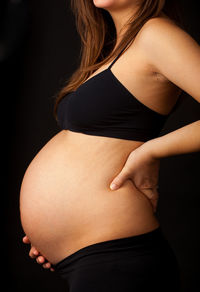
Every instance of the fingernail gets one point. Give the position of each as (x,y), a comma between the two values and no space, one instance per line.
(113,186)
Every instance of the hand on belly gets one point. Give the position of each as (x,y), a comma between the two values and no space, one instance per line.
(143,170)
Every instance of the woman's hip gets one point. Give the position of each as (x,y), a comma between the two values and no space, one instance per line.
(133,263)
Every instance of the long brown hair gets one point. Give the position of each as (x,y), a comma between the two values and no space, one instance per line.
(98,35)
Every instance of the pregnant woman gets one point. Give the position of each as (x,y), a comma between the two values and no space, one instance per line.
(136,60)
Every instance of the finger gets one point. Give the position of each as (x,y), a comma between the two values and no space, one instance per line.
(52,270)
(155,200)
(33,253)
(25,239)
(154,203)
(40,260)
(46,265)
(152,195)
(119,179)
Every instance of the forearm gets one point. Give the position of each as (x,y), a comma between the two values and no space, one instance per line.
(183,140)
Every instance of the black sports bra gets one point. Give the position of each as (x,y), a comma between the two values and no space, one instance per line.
(103,106)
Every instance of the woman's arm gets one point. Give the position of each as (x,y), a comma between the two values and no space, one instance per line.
(142,165)
(176,55)
(184,140)
(173,53)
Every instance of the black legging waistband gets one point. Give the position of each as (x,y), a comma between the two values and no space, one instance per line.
(137,243)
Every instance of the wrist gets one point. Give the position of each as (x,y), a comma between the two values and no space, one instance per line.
(151,148)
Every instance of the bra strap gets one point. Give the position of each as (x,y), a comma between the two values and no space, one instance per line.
(118,56)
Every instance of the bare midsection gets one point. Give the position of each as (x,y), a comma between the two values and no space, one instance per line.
(65,199)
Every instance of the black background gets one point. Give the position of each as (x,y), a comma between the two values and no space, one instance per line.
(39,49)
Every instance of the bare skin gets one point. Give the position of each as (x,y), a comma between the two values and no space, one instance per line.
(35,254)
(157,84)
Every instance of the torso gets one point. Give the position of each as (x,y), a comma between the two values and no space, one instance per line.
(65,200)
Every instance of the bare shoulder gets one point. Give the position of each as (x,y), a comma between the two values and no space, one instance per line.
(161,33)
(171,52)
(160,26)
(159,20)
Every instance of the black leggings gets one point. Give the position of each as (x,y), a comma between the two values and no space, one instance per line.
(131,264)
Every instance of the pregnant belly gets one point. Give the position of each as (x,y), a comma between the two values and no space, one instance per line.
(65,199)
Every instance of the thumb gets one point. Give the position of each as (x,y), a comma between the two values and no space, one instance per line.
(119,179)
